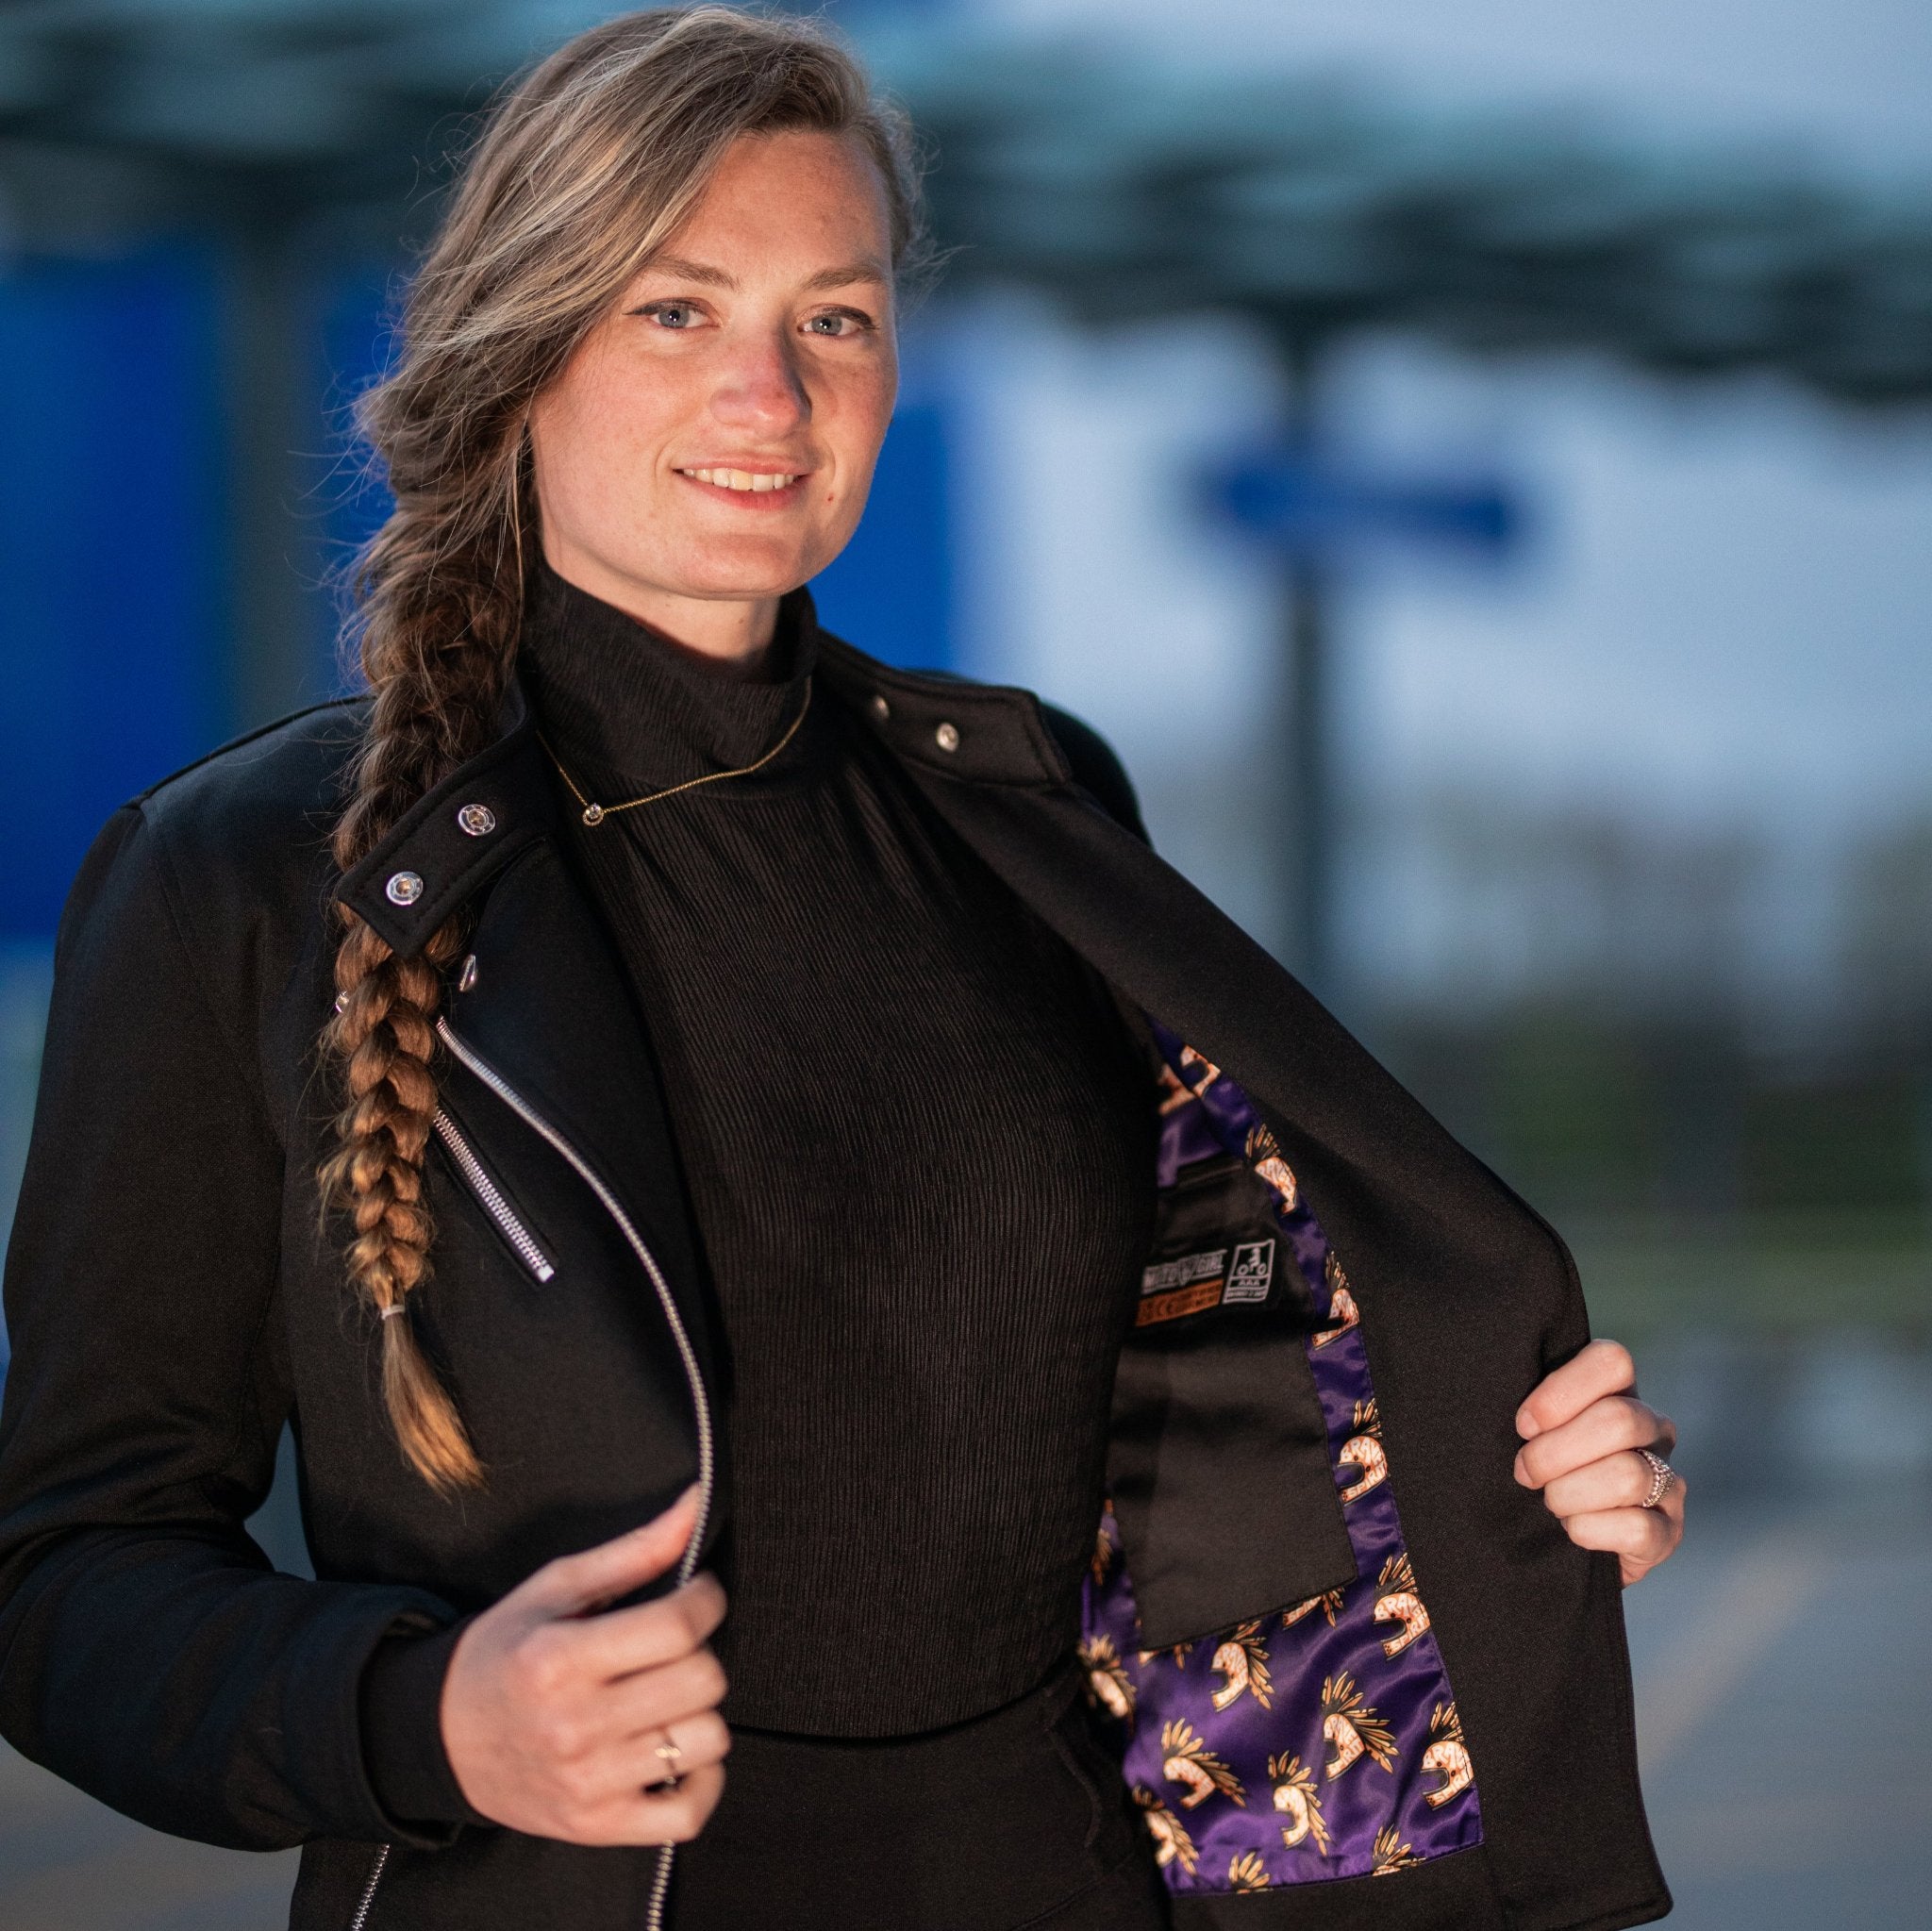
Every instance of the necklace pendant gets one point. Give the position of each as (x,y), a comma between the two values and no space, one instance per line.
(593,814)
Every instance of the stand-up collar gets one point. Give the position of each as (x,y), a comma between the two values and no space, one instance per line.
(621,703)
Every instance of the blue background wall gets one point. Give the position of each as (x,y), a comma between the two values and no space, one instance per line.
(113,648)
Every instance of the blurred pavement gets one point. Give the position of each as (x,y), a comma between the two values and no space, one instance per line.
(1783,1707)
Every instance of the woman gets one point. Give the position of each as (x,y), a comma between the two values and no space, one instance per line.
(671,1111)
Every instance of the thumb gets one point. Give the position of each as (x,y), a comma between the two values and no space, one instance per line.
(572,1584)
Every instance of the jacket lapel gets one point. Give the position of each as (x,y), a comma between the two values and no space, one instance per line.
(541,995)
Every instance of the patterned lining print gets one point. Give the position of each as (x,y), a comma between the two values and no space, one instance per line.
(1317,1741)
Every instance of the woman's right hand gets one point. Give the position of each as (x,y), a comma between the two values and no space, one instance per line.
(556,1719)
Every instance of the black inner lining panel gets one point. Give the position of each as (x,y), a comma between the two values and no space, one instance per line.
(1219,1464)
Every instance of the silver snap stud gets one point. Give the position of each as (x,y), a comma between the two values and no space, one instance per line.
(404,887)
(881,709)
(948,737)
(479,821)
(466,979)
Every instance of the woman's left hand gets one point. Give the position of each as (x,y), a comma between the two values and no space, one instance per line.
(1583,1429)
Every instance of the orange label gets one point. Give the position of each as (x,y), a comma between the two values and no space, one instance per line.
(1176,1302)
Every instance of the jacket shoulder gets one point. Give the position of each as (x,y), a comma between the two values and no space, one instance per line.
(273,792)
(236,845)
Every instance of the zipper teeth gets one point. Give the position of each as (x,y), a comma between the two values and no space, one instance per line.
(361,1917)
(493,1204)
(701,1405)
(660,1885)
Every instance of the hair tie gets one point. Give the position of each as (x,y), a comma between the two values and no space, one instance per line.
(390,1314)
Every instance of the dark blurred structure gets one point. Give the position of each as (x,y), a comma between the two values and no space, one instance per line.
(1728,1150)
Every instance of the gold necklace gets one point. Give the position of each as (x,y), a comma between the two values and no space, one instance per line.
(595,813)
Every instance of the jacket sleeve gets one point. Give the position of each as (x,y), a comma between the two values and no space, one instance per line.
(148,1651)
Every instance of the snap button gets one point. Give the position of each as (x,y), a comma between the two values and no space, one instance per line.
(948,737)
(881,709)
(479,821)
(466,980)
(404,887)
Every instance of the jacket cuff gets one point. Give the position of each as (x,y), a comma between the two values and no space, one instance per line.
(400,1710)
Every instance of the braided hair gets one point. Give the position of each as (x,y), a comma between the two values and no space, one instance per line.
(579,174)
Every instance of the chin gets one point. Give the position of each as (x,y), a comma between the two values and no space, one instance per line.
(742,570)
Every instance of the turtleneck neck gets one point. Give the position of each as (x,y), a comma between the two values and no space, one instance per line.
(624,704)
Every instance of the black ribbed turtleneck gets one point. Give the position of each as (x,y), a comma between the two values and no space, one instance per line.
(919,1148)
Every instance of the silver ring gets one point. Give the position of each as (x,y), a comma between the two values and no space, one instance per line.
(1661,1475)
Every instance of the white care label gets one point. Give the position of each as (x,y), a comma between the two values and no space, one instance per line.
(1253,1272)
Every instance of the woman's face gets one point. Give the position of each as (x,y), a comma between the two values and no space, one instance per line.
(711,442)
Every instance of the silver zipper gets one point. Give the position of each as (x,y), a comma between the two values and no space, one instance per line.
(492,1201)
(361,1917)
(687,1355)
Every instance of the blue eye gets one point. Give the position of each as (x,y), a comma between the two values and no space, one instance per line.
(667,312)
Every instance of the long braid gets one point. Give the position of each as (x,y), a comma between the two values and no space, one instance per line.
(437,643)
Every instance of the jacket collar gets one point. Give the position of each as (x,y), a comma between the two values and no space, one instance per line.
(493,806)
(987,734)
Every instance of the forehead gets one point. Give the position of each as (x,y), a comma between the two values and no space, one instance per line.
(789,196)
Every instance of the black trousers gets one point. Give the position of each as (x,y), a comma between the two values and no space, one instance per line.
(1016,1819)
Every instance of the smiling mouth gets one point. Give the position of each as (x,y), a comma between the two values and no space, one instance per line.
(745,482)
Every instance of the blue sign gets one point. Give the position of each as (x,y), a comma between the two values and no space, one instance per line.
(1305,503)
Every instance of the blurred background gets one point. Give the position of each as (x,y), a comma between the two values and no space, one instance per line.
(1477,466)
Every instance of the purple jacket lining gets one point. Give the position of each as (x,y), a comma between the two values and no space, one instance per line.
(1318,1741)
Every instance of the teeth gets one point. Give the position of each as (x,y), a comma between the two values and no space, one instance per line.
(742,479)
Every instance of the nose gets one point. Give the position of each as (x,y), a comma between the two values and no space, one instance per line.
(761,389)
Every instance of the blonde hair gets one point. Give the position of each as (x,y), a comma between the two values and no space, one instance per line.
(580,173)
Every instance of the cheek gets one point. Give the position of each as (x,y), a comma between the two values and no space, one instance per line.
(603,430)
(597,444)
(864,415)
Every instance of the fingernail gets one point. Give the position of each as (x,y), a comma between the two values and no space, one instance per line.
(1527,1425)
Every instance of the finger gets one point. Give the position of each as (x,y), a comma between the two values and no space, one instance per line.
(1671,1508)
(572,1584)
(675,1749)
(678,1813)
(1642,1535)
(647,1634)
(1600,1367)
(610,1776)
(1615,1422)
(680,1692)
(673,1815)
(690,1686)
(1617,1481)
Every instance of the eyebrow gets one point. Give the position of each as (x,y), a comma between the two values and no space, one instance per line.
(705,276)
